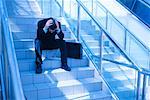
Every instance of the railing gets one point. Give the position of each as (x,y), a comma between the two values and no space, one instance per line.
(9,68)
(76,12)
(127,40)
(1,72)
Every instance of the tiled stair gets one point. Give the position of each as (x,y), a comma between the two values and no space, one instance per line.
(120,78)
(81,83)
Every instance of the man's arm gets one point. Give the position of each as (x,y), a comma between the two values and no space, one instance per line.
(59,31)
(40,33)
(42,28)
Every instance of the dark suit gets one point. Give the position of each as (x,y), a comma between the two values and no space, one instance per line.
(47,41)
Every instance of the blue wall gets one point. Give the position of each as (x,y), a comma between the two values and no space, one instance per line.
(127,3)
(141,9)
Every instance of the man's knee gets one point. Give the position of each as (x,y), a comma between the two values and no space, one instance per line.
(62,42)
(37,41)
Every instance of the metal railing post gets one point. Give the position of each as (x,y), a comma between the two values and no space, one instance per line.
(96,8)
(62,10)
(78,24)
(42,6)
(51,3)
(138,86)
(92,6)
(144,87)
(70,7)
(106,20)
(101,49)
(133,4)
(125,40)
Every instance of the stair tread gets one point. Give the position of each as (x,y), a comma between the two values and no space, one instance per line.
(87,95)
(52,58)
(58,70)
(67,39)
(65,83)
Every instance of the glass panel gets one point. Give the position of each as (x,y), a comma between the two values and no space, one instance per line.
(121,78)
(138,53)
(116,30)
(100,13)
(88,4)
(49,7)
(71,13)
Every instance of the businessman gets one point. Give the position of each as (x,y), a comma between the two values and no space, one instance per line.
(50,36)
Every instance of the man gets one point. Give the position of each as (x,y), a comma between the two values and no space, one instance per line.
(50,36)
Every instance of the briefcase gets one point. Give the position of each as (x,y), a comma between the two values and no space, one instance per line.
(74,50)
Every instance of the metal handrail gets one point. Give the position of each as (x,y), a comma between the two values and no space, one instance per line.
(12,60)
(135,67)
(143,44)
(108,35)
(141,70)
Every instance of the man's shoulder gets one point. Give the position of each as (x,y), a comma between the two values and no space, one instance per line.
(42,22)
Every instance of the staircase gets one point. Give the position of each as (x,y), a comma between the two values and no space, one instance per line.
(82,82)
(120,78)
(53,83)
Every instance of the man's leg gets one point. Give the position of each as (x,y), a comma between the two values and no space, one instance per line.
(63,51)
(38,52)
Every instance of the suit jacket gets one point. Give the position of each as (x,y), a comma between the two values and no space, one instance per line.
(41,35)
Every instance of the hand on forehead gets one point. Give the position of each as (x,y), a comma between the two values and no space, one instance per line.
(50,21)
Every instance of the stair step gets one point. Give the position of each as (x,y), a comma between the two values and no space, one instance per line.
(70,87)
(28,28)
(32,35)
(30,53)
(92,43)
(29,43)
(50,76)
(95,95)
(118,73)
(114,83)
(88,37)
(17,20)
(23,35)
(29,64)
(125,92)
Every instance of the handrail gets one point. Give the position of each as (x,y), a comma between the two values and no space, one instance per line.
(146,2)
(2,80)
(105,82)
(135,67)
(141,70)
(108,35)
(12,60)
(143,44)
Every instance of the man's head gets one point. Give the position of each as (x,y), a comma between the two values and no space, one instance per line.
(53,25)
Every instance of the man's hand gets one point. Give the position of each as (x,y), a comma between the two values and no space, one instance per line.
(48,23)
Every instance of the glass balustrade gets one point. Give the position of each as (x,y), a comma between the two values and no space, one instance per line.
(11,82)
(122,35)
(94,41)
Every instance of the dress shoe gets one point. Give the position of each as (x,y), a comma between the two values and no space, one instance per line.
(66,68)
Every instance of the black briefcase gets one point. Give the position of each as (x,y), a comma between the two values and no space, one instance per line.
(74,50)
